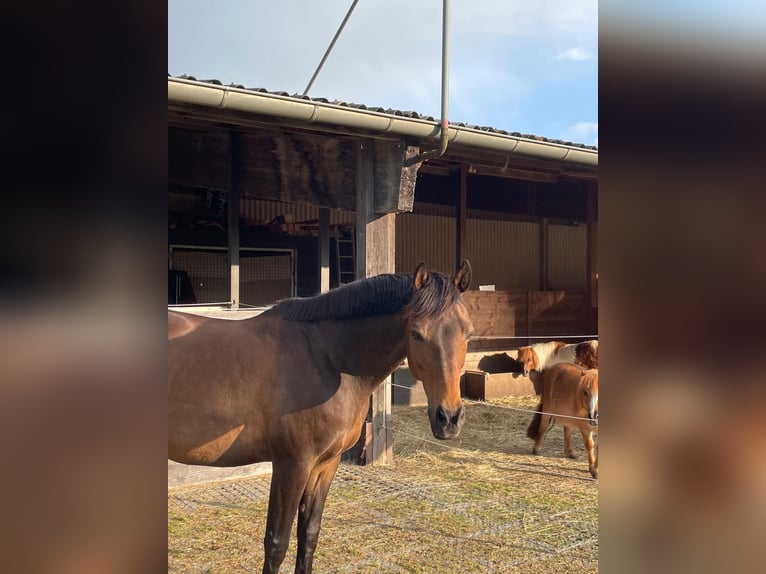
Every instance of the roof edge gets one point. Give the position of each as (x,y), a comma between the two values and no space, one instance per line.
(193,92)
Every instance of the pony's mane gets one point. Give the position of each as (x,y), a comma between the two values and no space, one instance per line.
(546,352)
(380,295)
(589,376)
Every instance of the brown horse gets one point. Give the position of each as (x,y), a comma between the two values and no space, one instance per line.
(568,391)
(293,385)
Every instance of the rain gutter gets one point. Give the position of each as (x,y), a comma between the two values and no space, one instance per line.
(191,92)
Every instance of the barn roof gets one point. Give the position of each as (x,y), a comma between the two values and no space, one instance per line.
(188,90)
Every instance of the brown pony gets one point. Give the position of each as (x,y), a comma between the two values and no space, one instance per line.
(568,391)
(293,385)
(540,356)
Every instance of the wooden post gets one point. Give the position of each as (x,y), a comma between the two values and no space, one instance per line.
(376,243)
(324,250)
(233,217)
(460,216)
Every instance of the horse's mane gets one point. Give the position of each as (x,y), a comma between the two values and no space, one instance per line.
(589,376)
(380,295)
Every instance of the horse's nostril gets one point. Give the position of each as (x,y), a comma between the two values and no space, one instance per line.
(441,416)
(459,416)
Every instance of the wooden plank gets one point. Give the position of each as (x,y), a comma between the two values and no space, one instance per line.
(394,190)
(301,168)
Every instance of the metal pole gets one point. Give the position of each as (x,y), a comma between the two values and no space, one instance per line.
(330,47)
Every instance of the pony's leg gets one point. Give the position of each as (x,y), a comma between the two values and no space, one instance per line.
(587,439)
(288,480)
(310,513)
(568,446)
(545,422)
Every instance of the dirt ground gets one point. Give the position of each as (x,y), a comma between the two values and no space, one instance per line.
(480,503)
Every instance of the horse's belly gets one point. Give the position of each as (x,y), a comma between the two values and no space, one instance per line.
(221,450)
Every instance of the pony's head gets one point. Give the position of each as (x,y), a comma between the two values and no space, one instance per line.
(528,359)
(590,395)
(438,332)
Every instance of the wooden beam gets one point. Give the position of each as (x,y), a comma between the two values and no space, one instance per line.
(233,217)
(394,190)
(376,243)
(513,173)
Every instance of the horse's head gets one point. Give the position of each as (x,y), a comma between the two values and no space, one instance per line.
(590,396)
(439,328)
(528,359)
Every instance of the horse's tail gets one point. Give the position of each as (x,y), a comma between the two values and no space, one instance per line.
(534,426)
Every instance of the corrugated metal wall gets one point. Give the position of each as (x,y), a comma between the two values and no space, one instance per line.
(567,257)
(502,253)
(426,238)
(505,254)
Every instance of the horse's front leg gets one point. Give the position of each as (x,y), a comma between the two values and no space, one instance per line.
(288,480)
(568,446)
(545,422)
(587,439)
(310,513)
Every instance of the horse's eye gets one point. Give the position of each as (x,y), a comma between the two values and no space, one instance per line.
(417,336)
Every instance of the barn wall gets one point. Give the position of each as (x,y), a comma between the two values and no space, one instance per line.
(505,254)
(430,239)
(504,319)
(567,257)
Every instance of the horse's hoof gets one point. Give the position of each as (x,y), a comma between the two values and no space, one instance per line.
(572,455)
(594,472)
(535,451)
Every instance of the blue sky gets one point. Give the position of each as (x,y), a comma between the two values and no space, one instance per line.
(530,67)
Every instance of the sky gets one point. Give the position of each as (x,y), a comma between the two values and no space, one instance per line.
(529,67)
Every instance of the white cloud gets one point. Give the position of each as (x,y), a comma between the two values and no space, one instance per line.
(581,132)
(574,54)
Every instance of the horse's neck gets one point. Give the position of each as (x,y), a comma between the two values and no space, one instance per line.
(367,347)
(545,352)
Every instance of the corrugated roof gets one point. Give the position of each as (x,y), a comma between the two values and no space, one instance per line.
(390,111)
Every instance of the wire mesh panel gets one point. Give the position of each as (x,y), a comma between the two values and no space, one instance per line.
(208,270)
(265,277)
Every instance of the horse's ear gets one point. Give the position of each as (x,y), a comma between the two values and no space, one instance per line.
(421,276)
(462,278)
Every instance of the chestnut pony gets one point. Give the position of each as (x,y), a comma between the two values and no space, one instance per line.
(568,391)
(293,385)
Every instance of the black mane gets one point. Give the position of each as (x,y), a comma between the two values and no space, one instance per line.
(380,295)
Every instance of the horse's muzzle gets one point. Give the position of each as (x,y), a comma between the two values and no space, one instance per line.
(593,419)
(446,423)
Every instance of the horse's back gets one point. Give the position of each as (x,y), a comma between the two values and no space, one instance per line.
(562,381)
(180,324)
